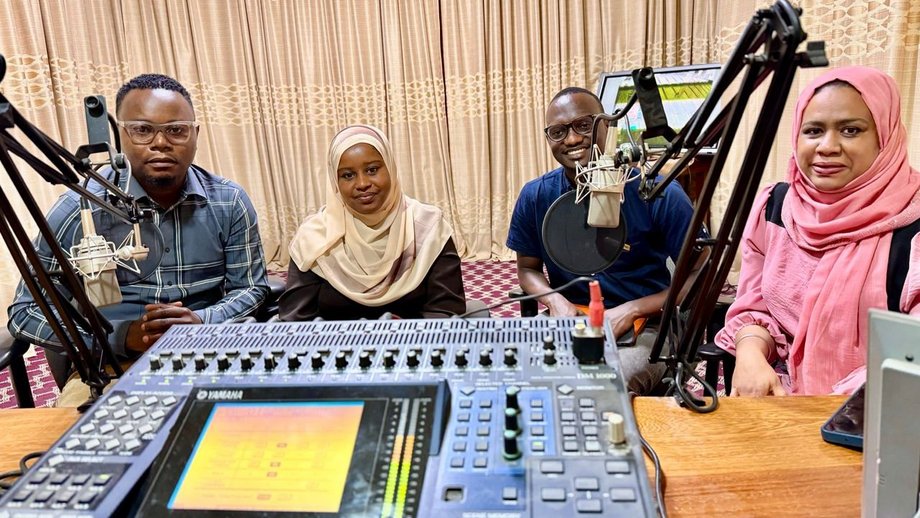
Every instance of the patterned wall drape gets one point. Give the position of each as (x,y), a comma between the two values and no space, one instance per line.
(460,86)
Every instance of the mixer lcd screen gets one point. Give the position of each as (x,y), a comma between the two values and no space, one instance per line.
(287,457)
(306,451)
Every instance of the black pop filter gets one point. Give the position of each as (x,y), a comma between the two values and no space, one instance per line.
(576,246)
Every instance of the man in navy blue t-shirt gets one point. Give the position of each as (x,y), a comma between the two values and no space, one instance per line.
(636,285)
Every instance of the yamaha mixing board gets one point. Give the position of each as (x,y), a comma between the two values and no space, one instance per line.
(484,418)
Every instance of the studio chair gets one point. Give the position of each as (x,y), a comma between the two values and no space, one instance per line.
(11,357)
(715,356)
(476,308)
(269,308)
(268,311)
(529,307)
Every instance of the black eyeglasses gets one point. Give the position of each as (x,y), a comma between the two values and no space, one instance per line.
(143,132)
(581,125)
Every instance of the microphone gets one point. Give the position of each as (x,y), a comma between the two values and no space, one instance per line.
(604,180)
(586,238)
(97,259)
(93,259)
(606,194)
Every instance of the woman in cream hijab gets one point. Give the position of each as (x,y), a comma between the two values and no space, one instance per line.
(371,250)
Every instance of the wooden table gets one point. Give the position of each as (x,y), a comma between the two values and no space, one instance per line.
(23,431)
(751,457)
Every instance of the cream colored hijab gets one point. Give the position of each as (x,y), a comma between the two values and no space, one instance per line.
(373,259)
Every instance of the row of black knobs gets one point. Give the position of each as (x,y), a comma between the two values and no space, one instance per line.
(318,360)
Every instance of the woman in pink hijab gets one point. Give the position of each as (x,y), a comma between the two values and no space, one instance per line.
(816,250)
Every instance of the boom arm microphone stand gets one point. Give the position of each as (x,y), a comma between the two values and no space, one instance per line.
(766,50)
(65,319)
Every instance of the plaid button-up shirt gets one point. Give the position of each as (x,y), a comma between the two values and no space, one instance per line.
(212,256)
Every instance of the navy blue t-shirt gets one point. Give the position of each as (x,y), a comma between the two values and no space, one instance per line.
(655,231)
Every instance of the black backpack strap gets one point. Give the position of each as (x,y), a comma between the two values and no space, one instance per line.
(898,263)
(774,207)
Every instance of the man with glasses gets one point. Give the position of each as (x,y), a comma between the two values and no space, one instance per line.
(212,268)
(635,285)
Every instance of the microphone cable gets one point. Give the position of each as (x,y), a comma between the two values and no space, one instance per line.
(661,482)
(17,473)
(687,399)
(465,316)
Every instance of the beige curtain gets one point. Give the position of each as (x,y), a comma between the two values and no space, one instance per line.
(460,86)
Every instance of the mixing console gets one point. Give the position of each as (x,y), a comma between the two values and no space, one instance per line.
(482,418)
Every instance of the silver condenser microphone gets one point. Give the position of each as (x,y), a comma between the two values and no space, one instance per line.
(94,259)
(604,178)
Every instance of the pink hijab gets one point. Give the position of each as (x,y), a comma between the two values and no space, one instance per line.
(850,229)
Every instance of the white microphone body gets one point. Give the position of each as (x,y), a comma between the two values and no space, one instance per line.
(606,195)
(94,258)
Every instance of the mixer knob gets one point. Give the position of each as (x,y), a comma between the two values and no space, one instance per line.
(460,358)
(549,357)
(364,360)
(245,361)
(223,363)
(270,362)
(617,431)
(341,361)
(510,358)
(437,359)
(178,363)
(512,422)
(316,361)
(485,357)
(156,363)
(200,363)
(293,362)
(549,342)
(511,397)
(412,359)
(389,360)
(510,450)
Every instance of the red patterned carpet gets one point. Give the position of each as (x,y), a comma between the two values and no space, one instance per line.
(487,281)
(44,390)
(490,282)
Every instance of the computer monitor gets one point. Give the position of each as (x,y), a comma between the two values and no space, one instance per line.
(891,453)
(683,89)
